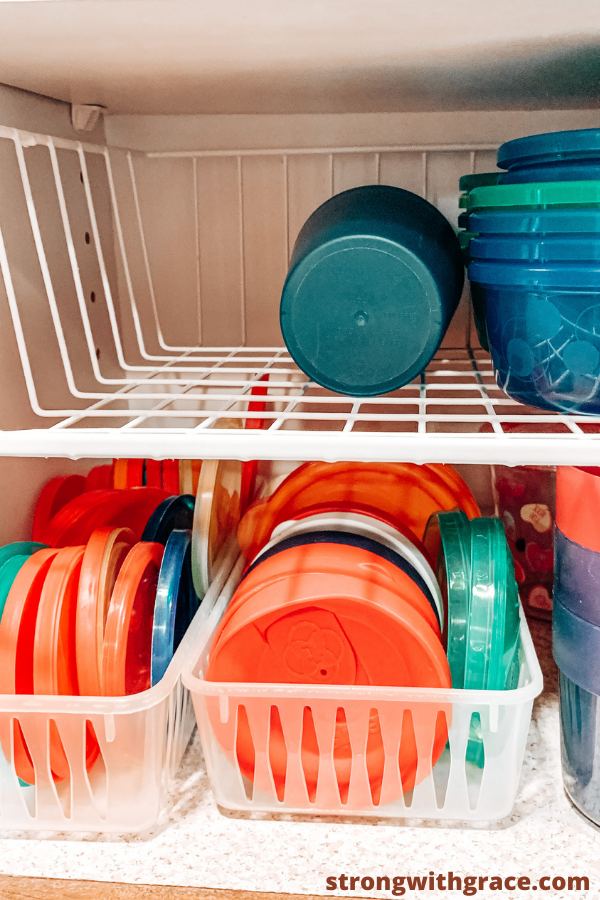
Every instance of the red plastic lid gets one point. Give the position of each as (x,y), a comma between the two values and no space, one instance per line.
(128,473)
(407,494)
(170,476)
(17,632)
(99,477)
(127,655)
(130,508)
(250,469)
(104,555)
(55,494)
(577,504)
(330,560)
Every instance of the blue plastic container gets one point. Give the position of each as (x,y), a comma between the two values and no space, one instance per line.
(543,326)
(577,577)
(536,248)
(575,645)
(580,746)
(557,156)
(375,278)
(535,222)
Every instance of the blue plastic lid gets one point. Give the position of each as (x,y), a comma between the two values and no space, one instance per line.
(565,170)
(535,221)
(174,512)
(350,540)
(543,275)
(555,145)
(477,179)
(176,602)
(550,248)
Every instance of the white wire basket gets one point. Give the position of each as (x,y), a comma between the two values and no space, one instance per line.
(118,265)
(141,740)
(454,788)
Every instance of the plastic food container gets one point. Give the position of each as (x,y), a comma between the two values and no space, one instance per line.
(580,746)
(557,156)
(453,789)
(538,222)
(543,324)
(575,645)
(375,277)
(578,577)
(140,742)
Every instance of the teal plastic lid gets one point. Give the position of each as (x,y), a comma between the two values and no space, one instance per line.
(8,572)
(487,619)
(455,540)
(20,548)
(508,677)
(538,195)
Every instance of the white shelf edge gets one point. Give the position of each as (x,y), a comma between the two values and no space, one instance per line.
(293,445)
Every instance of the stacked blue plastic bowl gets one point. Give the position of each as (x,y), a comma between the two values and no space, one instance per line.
(534,265)
(576,633)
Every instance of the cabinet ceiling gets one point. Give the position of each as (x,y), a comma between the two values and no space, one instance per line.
(262,56)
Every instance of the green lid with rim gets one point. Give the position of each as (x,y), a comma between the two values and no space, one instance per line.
(539,195)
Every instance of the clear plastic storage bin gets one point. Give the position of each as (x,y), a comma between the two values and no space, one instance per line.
(454,789)
(141,737)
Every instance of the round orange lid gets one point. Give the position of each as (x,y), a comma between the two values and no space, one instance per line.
(127,653)
(406,493)
(104,555)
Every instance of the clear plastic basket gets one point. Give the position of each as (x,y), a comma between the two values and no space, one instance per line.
(141,738)
(455,788)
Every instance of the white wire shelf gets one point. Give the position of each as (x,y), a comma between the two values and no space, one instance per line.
(103,380)
(454,412)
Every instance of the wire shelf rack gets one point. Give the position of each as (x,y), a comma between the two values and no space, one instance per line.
(114,386)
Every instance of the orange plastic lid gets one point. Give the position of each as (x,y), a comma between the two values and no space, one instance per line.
(216,517)
(189,473)
(170,476)
(127,654)
(380,637)
(99,477)
(104,555)
(128,473)
(128,508)
(329,560)
(577,504)
(407,494)
(329,630)
(54,661)
(55,494)
(17,632)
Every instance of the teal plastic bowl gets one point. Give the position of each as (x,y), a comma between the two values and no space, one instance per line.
(375,277)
